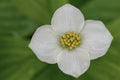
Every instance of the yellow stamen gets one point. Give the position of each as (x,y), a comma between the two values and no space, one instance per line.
(70,40)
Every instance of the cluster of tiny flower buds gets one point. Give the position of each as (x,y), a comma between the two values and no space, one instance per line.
(70,40)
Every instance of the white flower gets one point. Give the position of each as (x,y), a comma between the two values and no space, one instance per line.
(70,41)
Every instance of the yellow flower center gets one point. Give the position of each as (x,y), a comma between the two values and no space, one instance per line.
(70,40)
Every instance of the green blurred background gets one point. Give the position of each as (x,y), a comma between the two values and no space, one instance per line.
(20,18)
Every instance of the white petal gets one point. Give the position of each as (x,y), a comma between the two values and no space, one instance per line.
(67,18)
(75,62)
(44,44)
(96,38)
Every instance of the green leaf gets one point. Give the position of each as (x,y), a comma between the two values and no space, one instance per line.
(12,21)
(51,72)
(105,10)
(79,3)
(17,62)
(39,10)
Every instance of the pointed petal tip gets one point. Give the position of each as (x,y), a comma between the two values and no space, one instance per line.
(75,75)
(67,4)
(112,37)
(29,45)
